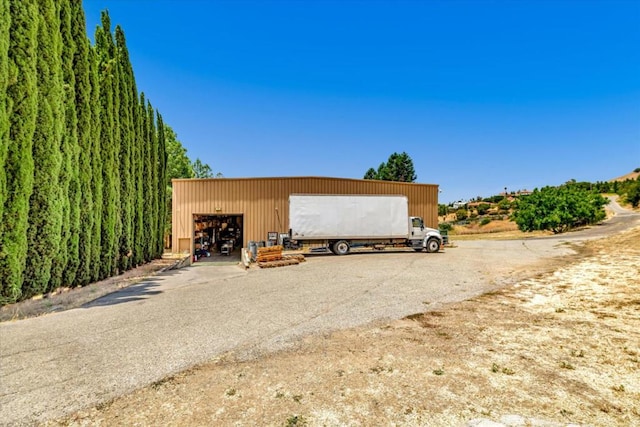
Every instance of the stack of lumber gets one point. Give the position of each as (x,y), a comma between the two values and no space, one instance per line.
(269,253)
(271,256)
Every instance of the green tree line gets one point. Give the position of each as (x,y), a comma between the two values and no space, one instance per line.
(628,189)
(83,164)
(559,208)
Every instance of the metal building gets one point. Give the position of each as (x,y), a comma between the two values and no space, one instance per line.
(211,211)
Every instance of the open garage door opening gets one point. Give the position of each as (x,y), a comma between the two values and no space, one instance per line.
(217,237)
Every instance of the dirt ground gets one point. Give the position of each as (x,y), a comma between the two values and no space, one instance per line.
(562,347)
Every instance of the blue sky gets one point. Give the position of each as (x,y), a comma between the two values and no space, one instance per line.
(481,94)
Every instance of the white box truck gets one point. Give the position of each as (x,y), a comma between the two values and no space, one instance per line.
(341,222)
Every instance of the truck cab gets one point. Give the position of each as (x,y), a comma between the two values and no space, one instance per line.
(422,237)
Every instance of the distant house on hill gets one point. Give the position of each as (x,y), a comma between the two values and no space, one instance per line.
(515,194)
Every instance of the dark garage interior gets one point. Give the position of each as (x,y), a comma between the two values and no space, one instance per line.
(217,236)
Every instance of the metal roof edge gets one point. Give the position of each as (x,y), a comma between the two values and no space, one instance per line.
(280,178)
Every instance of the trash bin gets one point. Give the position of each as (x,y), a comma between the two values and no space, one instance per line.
(253,249)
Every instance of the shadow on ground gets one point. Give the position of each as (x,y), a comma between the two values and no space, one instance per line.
(131,293)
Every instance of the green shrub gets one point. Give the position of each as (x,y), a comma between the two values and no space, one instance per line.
(485,221)
(445,226)
(462,214)
(504,205)
(493,199)
(483,208)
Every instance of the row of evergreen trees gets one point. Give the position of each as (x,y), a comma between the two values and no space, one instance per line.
(82,153)
(629,189)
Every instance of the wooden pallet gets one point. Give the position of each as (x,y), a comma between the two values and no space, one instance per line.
(281,263)
(269,257)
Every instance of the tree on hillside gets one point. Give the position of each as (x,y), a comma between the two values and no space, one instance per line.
(632,192)
(399,167)
(558,209)
(504,206)
(462,214)
(483,208)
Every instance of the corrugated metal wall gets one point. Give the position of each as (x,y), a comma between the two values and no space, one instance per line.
(264,202)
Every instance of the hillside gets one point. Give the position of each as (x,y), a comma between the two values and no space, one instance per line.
(632,175)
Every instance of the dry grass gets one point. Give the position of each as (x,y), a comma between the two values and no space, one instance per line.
(497,229)
(630,175)
(561,347)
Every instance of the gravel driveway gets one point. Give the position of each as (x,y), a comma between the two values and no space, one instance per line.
(59,363)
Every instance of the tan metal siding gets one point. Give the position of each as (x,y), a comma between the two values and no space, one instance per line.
(258,198)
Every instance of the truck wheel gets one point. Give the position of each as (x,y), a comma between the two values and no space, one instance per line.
(433,245)
(341,247)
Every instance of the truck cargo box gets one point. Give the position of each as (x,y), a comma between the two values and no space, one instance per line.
(332,217)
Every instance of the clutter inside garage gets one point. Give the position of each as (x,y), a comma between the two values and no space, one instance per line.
(217,235)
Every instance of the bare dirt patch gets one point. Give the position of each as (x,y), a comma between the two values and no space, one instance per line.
(495,226)
(563,347)
(495,230)
(68,298)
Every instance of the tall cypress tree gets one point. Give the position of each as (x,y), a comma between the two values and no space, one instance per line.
(65,262)
(115,170)
(108,69)
(84,114)
(22,104)
(162,184)
(146,180)
(139,156)
(95,144)
(45,207)
(153,183)
(128,97)
(5,20)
